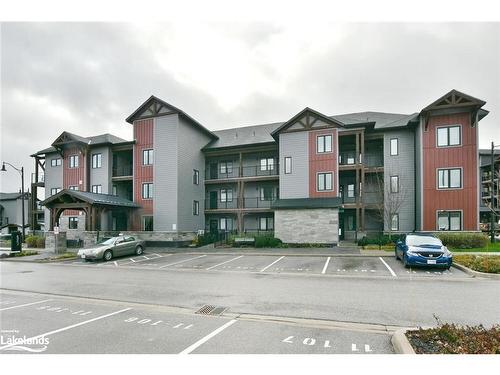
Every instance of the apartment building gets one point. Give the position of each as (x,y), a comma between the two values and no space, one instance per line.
(313,178)
(489,187)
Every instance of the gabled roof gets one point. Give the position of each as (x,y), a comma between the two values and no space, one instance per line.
(154,107)
(11,196)
(454,98)
(380,120)
(67,137)
(307,118)
(70,196)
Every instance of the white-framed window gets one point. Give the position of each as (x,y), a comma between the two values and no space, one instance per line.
(266,193)
(196,177)
(449,136)
(56,162)
(196,208)
(226,195)
(147,190)
(323,143)
(449,178)
(324,181)
(226,167)
(449,220)
(96,161)
(147,223)
(394,146)
(147,157)
(54,191)
(226,223)
(394,184)
(288,164)
(395,222)
(350,191)
(97,189)
(73,187)
(73,161)
(266,164)
(266,223)
(73,222)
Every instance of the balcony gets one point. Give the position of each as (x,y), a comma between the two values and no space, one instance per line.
(348,158)
(122,171)
(243,172)
(245,203)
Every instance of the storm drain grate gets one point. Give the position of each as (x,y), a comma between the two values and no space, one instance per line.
(211,310)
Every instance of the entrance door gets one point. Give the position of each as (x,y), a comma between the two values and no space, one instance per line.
(213,200)
(213,171)
(341,226)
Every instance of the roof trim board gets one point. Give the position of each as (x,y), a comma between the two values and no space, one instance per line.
(307,118)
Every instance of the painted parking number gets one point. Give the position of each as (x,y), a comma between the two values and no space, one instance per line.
(309,341)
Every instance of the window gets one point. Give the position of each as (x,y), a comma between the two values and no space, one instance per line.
(96,160)
(73,161)
(196,177)
(147,157)
(73,223)
(449,220)
(97,189)
(147,190)
(450,178)
(288,165)
(226,195)
(226,167)
(226,223)
(394,184)
(266,193)
(324,182)
(323,143)
(196,208)
(266,223)
(395,222)
(54,191)
(394,146)
(350,191)
(73,187)
(115,190)
(147,223)
(449,136)
(267,164)
(55,162)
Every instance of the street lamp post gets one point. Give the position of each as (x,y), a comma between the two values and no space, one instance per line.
(21,172)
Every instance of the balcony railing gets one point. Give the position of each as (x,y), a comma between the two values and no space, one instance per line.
(238,203)
(348,158)
(122,170)
(246,171)
(373,160)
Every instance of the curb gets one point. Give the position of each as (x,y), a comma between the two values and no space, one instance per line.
(467,270)
(400,343)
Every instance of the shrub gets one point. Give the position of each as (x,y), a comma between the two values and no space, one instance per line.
(267,241)
(463,240)
(380,239)
(40,242)
(31,241)
(480,263)
(206,239)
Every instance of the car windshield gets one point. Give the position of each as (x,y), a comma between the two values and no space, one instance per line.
(422,240)
(109,241)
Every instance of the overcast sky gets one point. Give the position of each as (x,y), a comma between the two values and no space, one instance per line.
(86,78)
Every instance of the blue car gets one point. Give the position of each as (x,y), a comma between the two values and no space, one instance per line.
(422,249)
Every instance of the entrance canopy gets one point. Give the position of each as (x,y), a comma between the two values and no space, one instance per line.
(92,204)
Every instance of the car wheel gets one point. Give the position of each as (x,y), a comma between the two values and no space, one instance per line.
(138,250)
(107,255)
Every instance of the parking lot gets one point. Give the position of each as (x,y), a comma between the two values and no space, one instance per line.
(322,266)
(37,323)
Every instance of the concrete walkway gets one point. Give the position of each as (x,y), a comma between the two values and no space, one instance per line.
(42,255)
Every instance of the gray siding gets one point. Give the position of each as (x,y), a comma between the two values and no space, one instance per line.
(102,176)
(295,184)
(165,167)
(402,165)
(53,179)
(189,157)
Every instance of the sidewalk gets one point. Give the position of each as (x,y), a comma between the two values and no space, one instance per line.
(42,254)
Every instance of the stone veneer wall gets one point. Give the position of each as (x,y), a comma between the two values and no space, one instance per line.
(320,225)
(50,242)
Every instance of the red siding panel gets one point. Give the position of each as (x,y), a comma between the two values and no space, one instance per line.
(324,162)
(143,136)
(465,156)
(74,176)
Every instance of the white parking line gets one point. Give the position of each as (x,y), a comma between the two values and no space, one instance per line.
(227,261)
(389,268)
(207,337)
(30,339)
(326,265)
(143,260)
(276,261)
(182,261)
(26,304)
